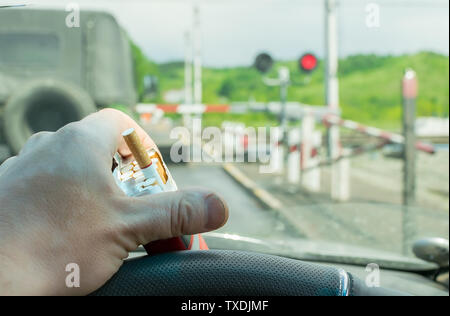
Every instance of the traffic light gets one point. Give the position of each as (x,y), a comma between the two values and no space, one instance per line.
(263,62)
(308,63)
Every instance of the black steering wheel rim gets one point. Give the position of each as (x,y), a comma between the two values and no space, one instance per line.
(225,273)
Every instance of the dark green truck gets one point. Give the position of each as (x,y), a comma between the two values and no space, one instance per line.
(51,74)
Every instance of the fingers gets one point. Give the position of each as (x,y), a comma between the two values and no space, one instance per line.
(107,125)
(34,141)
(98,135)
(6,164)
(103,128)
(174,214)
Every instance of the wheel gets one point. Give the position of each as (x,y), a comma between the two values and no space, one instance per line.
(4,153)
(44,105)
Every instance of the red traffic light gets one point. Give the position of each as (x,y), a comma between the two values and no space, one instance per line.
(308,62)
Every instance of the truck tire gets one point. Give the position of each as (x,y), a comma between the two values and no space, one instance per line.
(4,153)
(44,105)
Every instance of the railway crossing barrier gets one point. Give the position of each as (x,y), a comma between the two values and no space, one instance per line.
(299,156)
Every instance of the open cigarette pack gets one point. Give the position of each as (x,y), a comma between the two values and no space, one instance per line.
(147,174)
(132,180)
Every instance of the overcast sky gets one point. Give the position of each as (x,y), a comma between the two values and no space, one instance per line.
(234,31)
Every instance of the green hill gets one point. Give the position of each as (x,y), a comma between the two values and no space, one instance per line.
(370,86)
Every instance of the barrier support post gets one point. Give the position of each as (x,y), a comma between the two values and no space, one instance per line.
(294,157)
(334,153)
(342,187)
(308,124)
(277,151)
(315,173)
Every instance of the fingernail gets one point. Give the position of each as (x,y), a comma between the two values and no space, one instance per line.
(217,212)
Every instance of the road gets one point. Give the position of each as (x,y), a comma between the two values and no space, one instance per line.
(373,217)
(247,216)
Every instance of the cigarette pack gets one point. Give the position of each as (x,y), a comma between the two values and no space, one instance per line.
(132,180)
(154,179)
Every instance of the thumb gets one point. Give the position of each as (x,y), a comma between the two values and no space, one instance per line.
(174,214)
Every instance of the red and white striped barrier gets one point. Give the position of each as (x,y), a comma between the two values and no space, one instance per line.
(148,111)
(375,132)
(183,108)
(294,110)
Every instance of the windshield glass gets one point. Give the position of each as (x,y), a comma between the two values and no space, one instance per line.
(324,124)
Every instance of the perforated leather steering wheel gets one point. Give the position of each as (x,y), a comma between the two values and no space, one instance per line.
(231,273)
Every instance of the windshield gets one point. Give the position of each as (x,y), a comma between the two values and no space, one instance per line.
(324,124)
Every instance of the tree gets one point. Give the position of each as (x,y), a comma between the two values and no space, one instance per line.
(227,88)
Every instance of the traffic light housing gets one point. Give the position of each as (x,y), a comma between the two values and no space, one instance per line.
(263,63)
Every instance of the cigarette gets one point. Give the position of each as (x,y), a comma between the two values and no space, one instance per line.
(137,149)
(144,159)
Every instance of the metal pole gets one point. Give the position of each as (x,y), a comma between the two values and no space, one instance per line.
(331,42)
(410,87)
(293,173)
(308,125)
(188,70)
(332,91)
(197,56)
(283,98)
(284,79)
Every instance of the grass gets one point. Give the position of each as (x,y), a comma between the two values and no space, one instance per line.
(370,87)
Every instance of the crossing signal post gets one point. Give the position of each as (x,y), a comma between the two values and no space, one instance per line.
(409,92)
(332,94)
(264,63)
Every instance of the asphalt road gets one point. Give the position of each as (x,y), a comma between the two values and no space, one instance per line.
(360,222)
(247,217)
(373,217)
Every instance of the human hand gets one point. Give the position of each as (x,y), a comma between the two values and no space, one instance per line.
(59,205)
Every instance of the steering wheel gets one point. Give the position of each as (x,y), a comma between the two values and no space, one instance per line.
(231,273)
